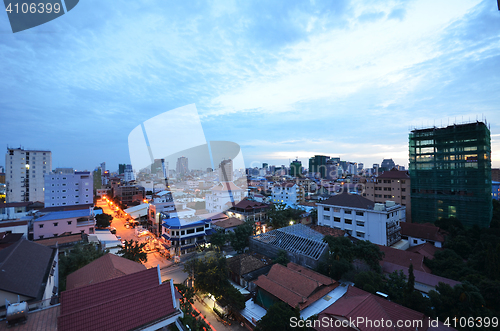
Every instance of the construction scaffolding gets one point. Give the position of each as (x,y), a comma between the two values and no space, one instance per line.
(450,171)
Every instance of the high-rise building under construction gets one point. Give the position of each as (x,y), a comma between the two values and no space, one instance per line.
(450,171)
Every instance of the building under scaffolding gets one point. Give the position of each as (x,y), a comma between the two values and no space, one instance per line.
(450,171)
(303,245)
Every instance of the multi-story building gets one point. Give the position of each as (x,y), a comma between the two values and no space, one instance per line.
(296,168)
(64,188)
(226,171)
(248,210)
(289,192)
(182,167)
(450,170)
(317,165)
(24,174)
(363,219)
(387,164)
(57,223)
(392,185)
(223,196)
(128,173)
(182,236)
(130,194)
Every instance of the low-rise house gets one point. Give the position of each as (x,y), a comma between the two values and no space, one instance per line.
(72,221)
(403,259)
(363,311)
(29,272)
(247,267)
(427,250)
(15,226)
(63,243)
(363,219)
(182,236)
(224,196)
(106,267)
(295,285)
(138,301)
(424,282)
(16,210)
(247,210)
(417,234)
(227,225)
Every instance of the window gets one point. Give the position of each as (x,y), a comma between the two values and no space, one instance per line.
(359,223)
(56,223)
(40,225)
(200,229)
(207,225)
(348,221)
(326,217)
(347,211)
(41,237)
(183,232)
(190,231)
(414,241)
(360,213)
(326,208)
(336,219)
(69,222)
(360,234)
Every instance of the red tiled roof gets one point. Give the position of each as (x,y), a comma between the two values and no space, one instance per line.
(395,174)
(106,267)
(328,231)
(427,250)
(248,204)
(123,303)
(420,277)
(229,223)
(425,231)
(403,258)
(295,285)
(358,303)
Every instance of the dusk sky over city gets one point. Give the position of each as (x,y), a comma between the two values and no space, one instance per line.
(282,79)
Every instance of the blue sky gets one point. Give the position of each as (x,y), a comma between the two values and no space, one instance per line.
(280,78)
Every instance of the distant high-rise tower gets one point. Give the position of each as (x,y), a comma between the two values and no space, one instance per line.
(387,164)
(450,170)
(182,166)
(226,171)
(296,168)
(317,165)
(24,174)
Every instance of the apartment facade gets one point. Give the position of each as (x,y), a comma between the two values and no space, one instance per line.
(182,236)
(68,188)
(57,223)
(363,219)
(392,185)
(24,174)
(289,193)
(450,170)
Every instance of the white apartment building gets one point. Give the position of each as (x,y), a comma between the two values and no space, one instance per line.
(63,189)
(24,171)
(363,219)
(223,196)
(289,193)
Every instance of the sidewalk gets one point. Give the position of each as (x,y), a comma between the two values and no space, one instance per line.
(210,316)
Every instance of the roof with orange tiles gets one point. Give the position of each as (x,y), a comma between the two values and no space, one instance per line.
(295,284)
(249,204)
(39,320)
(425,231)
(427,250)
(403,258)
(242,264)
(420,277)
(357,303)
(123,303)
(106,267)
(229,223)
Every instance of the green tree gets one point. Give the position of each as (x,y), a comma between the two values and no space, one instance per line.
(282,257)
(218,239)
(369,281)
(133,250)
(240,237)
(280,215)
(410,285)
(78,257)
(277,318)
(395,286)
(370,253)
(103,220)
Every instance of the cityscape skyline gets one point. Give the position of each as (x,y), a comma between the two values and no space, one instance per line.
(348,80)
